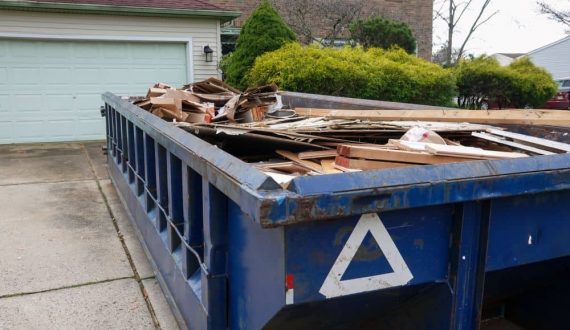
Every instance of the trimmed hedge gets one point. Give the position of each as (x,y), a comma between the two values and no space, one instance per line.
(521,84)
(532,85)
(389,75)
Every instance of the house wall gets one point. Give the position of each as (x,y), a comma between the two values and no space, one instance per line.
(554,58)
(416,13)
(202,31)
(502,59)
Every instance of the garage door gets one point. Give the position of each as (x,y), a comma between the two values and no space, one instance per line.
(51,90)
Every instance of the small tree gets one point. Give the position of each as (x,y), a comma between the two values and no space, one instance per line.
(482,78)
(521,84)
(262,32)
(532,85)
(383,33)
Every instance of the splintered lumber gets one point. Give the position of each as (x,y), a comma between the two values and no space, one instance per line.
(515,117)
(527,139)
(317,154)
(515,145)
(364,164)
(399,156)
(328,166)
(305,163)
(470,152)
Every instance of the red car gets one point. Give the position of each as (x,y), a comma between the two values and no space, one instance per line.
(561,100)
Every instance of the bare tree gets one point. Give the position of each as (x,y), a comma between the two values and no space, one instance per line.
(561,16)
(452,12)
(320,20)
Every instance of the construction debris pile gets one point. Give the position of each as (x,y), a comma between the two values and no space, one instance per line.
(208,101)
(285,143)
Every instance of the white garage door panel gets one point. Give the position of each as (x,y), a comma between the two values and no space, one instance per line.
(51,90)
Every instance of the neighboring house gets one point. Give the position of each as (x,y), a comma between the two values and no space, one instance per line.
(58,56)
(418,14)
(554,57)
(505,59)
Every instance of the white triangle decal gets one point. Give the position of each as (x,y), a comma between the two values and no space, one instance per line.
(333,286)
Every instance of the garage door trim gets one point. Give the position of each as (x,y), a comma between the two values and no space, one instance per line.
(187,41)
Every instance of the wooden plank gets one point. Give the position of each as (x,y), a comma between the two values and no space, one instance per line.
(470,152)
(551,145)
(364,164)
(305,163)
(409,145)
(344,169)
(400,156)
(317,154)
(289,167)
(328,166)
(520,146)
(515,117)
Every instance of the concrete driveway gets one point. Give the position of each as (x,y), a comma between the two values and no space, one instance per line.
(69,257)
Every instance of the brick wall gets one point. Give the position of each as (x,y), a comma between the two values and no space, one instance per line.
(416,13)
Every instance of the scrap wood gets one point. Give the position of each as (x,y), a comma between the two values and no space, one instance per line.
(558,147)
(365,164)
(515,145)
(229,109)
(192,117)
(288,167)
(328,166)
(470,152)
(179,94)
(143,103)
(218,99)
(161,85)
(317,154)
(315,139)
(192,106)
(210,86)
(409,145)
(305,163)
(496,117)
(168,114)
(153,91)
(401,156)
(167,103)
(250,138)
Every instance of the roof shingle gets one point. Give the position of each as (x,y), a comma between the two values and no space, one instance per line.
(166,4)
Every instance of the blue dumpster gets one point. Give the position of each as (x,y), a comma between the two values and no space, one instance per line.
(427,247)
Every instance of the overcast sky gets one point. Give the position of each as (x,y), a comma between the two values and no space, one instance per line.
(518,27)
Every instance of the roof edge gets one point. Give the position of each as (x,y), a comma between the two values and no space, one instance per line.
(548,45)
(223,15)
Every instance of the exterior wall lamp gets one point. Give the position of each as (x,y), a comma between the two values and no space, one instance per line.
(209,52)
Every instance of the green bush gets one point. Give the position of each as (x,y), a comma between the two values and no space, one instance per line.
(383,33)
(482,78)
(262,32)
(390,75)
(521,84)
(532,86)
